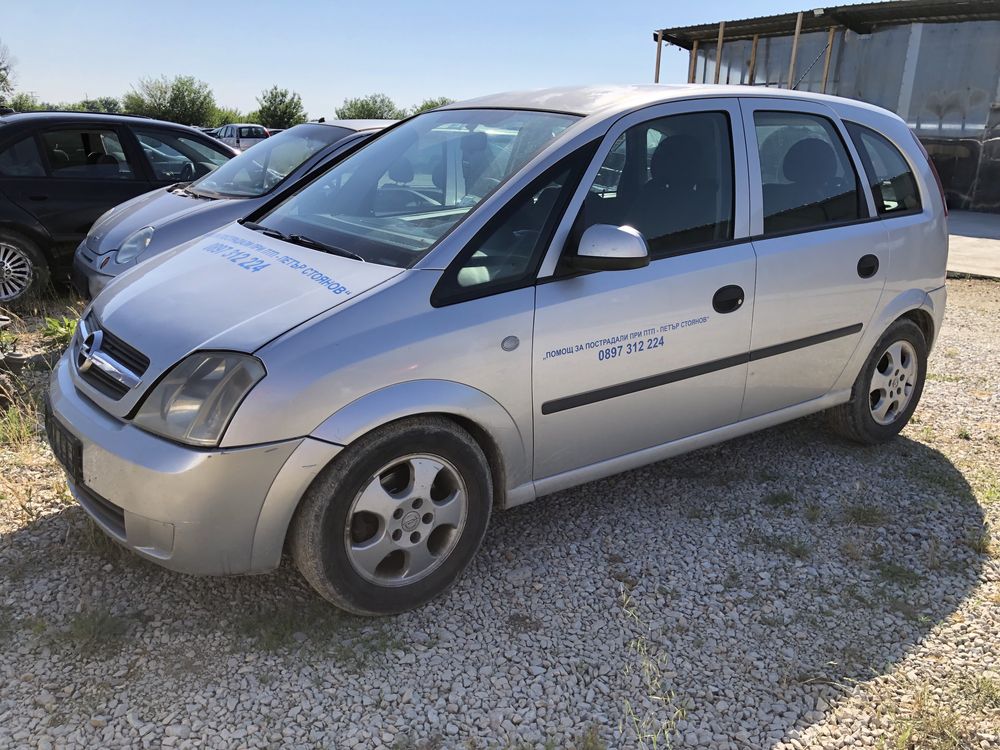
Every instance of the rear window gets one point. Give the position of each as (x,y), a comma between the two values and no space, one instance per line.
(252,132)
(893,185)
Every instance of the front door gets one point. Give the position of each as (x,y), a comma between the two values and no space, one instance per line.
(821,259)
(627,360)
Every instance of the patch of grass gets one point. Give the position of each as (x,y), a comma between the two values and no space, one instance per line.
(96,630)
(944,378)
(865,515)
(18,424)
(58,331)
(951,353)
(984,692)
(813,512)
(852,550)
(932,726)
(963,434)
(779,500)
(93,539)
(900,574)
(981,542)
(791,546)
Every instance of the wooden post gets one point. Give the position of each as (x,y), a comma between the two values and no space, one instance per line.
(718,51)
(753,59)
(829,54)
(795,51)
(693,62)
(659,49)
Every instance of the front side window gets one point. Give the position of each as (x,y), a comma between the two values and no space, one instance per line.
(177,157)
(89,154)
(21,159)
(392,200)
(671,179)
(806,174)
(893,184)
(260,169)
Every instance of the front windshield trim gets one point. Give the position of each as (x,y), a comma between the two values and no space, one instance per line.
(419,250)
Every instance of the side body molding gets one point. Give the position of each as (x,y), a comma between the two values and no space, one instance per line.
(441,397)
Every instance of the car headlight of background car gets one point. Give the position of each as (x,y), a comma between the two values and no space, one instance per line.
(134,244)
(196,400)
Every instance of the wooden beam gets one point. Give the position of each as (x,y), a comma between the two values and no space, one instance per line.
(795,51)
(659,50)
(718,50)
(693,62)
(829,53)
(752,71)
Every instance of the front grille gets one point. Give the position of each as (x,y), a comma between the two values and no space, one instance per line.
(115,349)
(106,512)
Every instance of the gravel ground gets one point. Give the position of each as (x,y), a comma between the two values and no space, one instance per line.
(785,590)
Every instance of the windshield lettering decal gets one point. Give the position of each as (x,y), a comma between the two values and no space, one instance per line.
(256,257)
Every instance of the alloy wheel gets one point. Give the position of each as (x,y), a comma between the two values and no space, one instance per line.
(892,382)
(406,520)
(15,272)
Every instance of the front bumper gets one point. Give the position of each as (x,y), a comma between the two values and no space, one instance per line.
(206,512)
(85,275)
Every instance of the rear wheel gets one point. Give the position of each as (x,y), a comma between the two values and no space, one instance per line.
(24,272)
(394,520)
(888,387)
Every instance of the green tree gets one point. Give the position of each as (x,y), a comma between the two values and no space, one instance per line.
(225,115)
(371,107)
(427,104)
(6,73)
(108,104)
(279,108)
(23,102)
(184,99)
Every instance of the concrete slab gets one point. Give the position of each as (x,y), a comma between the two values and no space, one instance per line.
(974,245)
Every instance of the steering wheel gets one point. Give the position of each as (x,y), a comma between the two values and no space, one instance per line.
(187,172)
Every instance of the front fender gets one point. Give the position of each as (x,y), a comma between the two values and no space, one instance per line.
(439,397)
(902,303)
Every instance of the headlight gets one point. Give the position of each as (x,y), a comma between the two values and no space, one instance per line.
(134,244)
(196,400)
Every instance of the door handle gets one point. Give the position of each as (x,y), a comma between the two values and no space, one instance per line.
(728,299)
(867,266)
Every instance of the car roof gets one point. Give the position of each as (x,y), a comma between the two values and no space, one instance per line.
(357,124)
(607,100)
(27,118)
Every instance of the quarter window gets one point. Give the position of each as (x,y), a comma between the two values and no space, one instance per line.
(671,179)
(21,159)
(90,154)
(893,184)
(807,177)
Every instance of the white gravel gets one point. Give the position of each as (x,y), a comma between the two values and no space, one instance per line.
(785,590)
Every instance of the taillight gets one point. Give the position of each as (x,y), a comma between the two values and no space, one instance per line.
(937,177)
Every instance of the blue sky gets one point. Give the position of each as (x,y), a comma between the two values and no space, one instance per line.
(328,50)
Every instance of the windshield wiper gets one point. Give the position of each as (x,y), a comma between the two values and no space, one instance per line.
(254,226)
(299,239)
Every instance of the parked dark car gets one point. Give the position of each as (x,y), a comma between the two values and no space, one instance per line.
(59,171)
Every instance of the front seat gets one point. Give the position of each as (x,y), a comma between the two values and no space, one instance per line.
(816,194)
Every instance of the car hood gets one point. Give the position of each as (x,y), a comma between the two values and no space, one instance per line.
(232,289)
(153,209)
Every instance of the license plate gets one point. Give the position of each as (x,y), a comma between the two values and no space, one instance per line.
(66,447)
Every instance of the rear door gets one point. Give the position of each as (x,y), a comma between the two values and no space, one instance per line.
(90,168)
(628,360)
(821,256)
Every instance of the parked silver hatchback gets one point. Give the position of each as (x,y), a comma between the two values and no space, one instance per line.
(494,301)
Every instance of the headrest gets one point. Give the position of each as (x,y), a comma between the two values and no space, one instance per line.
(677,161)
(810,160)
(401,171)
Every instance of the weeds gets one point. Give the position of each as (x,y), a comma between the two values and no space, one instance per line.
(779,500)
(895,573)
(58,332)
(97,631)
(866,515)
(981,542)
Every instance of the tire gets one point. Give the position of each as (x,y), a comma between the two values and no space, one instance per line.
(24,271)
(887,389)
(384,527)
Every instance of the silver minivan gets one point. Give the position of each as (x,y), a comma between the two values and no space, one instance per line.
(494,301)
(241,135)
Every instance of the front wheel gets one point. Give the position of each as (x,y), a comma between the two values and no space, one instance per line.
(396,518)
(888,387)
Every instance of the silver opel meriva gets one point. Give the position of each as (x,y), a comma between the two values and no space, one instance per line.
(493,301)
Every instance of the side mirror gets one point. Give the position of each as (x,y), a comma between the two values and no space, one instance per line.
(604,247)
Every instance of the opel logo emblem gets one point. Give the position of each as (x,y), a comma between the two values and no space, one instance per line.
(90,346)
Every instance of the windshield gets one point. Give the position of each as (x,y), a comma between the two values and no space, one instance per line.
(391,201)
(258,169)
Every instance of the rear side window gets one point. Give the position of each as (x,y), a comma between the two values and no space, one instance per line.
(21,159)
(90,154)
(252,133)
(671,179)
(178,157)
(807,177)
(893,185)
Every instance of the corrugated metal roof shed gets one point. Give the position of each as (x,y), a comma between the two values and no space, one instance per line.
(861,19)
